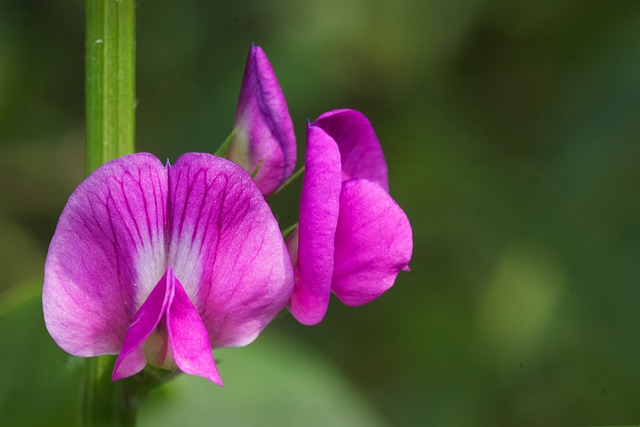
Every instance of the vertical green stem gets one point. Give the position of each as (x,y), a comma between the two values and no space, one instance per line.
(110,80)
(110,124)
(105,402)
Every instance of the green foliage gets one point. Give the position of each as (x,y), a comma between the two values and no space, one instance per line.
(266,383)
(272,382)
(39,383)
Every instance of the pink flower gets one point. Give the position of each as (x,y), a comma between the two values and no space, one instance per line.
(160,264)
(264,138)
(352,239)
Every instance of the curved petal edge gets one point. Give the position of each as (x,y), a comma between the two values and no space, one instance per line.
(360,151)
(106,255)
(373,242)
(319,208)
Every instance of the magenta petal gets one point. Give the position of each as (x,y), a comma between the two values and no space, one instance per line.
(373,242)
(189,338)
(131,359)
(319,207)
(106,255)
(360,149)
(226,248)
(263,128)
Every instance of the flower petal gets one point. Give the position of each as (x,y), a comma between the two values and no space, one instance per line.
(319,205)
(226,248)
(131,359)
(188,337)
(107,254)
(373,242)
(360,149)
(264,135)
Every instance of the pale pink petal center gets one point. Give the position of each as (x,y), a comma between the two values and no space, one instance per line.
(131,359)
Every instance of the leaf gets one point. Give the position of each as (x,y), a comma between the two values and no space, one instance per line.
(39,383)
(272,382)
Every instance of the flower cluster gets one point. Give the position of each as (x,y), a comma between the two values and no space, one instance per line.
(161,263)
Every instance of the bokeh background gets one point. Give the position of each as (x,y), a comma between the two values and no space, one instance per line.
(511,130)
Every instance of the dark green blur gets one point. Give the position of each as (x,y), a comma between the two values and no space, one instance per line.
(512,133)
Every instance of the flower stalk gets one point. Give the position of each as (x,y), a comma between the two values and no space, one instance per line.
(110,133)
(110,80)
(104,402)
(107,403)
(289,181)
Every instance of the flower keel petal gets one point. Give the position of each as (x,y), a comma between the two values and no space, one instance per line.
(131,359)
(188,337)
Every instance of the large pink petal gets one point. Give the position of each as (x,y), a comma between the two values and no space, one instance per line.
(226,248)
(373,242)
(360,149)
(107,254)
(319,207)
(263,128)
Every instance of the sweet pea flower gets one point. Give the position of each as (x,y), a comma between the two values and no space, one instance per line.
(263,138)
(352,238)
(160,264)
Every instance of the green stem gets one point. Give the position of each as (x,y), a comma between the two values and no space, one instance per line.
(105,402)
(110,80)
(223,150)
(110,124)
(287,231)
(292,178)
(116,403)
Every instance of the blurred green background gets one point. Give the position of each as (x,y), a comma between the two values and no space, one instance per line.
(512,133)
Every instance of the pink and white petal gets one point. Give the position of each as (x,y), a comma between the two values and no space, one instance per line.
(106,255)
(360,149)
(373,242)
(264,136)
(188,337)
(131,359)
(319,206)
(226,248)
